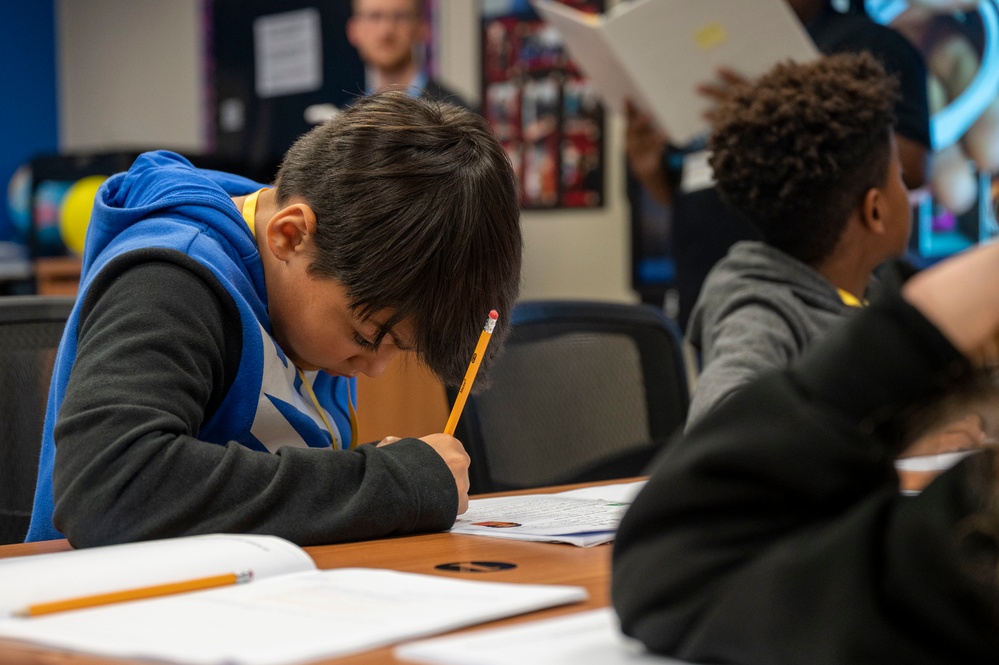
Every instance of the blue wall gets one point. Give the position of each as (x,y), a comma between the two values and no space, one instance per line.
(29,122)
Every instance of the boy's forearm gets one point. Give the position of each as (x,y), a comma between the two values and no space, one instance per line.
(129,466)
(174,487)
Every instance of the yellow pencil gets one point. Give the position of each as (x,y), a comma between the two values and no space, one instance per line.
(139,593)
(473,369)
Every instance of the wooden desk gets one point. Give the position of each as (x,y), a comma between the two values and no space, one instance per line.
(538,563)
(58,275)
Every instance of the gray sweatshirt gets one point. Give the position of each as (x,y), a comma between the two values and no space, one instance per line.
(758,310)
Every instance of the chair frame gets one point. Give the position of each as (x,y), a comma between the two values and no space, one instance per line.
(27,310)
(35,308)
(647,325)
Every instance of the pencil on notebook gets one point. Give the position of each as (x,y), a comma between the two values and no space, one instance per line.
(138,593)
(473,369)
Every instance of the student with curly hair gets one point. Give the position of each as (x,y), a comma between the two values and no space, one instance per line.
(773,530)
(809,156)
(703,227)
(205,379)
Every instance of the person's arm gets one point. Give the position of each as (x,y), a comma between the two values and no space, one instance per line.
(645,149)
(959,298)
(743,345)
(152,359)
(774,531)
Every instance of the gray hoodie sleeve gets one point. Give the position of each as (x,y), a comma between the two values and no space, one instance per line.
(751,340)
(154,356)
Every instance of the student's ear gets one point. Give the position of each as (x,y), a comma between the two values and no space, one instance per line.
(290,230)
(874,211)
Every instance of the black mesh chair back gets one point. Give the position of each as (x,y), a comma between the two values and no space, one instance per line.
(584,391)
(30,330)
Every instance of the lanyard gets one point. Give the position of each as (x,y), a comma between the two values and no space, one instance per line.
(850,300)
(249,213)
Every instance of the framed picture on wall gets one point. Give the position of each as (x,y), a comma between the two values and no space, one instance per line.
(544,111)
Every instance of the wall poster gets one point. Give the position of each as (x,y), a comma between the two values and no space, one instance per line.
(544,111)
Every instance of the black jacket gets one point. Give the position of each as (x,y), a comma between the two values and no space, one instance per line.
(774,532)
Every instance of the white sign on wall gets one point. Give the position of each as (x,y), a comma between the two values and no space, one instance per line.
(288,51)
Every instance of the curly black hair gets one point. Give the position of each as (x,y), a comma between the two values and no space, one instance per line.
(797,150)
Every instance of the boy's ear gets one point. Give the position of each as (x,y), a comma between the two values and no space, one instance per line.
(873,211)
(290,230)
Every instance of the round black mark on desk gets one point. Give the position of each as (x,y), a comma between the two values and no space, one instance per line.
(475,566)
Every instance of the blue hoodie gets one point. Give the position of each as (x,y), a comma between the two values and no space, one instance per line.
(162,201)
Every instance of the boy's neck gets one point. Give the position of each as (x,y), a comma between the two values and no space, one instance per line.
(852,262)
(850,278)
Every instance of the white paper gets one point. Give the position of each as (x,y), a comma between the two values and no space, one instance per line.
(288,619)
(30,580)
(288,52)
(935,462)
(584,517)
(583,638)
(658,51)
(621,492)
(697,172)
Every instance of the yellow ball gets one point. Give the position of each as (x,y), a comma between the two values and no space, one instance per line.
(74,212)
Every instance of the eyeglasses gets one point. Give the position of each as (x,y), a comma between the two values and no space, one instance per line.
(394,18)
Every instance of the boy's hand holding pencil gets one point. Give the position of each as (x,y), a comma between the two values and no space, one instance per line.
(448,447)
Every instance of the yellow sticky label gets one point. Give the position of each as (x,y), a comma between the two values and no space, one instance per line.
(710,36)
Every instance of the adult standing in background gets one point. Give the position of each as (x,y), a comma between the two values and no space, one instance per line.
(390,36)
(704,227)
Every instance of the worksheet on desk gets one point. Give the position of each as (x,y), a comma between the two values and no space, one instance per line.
(583,638)
(583,517)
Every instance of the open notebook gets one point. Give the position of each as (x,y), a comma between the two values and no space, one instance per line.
(289,613)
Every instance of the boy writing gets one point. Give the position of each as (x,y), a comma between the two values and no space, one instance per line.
(206,371)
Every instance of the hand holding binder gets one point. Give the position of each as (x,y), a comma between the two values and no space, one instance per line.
(658,52)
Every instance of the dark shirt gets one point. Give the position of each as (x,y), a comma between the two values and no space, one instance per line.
(774,530)
(437,91)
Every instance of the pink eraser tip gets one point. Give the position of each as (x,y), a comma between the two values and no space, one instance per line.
(493,314)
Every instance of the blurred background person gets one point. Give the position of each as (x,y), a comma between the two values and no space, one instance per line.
(391,38)
(963,85)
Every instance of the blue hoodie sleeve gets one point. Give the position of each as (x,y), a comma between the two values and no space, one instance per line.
(155,354)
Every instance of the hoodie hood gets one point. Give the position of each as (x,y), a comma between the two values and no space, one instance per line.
(164,186)
(755,272)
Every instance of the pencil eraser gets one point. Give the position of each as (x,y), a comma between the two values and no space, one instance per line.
(493,314)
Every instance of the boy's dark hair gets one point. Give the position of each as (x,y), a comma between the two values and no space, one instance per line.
(417,210)
(796,151)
